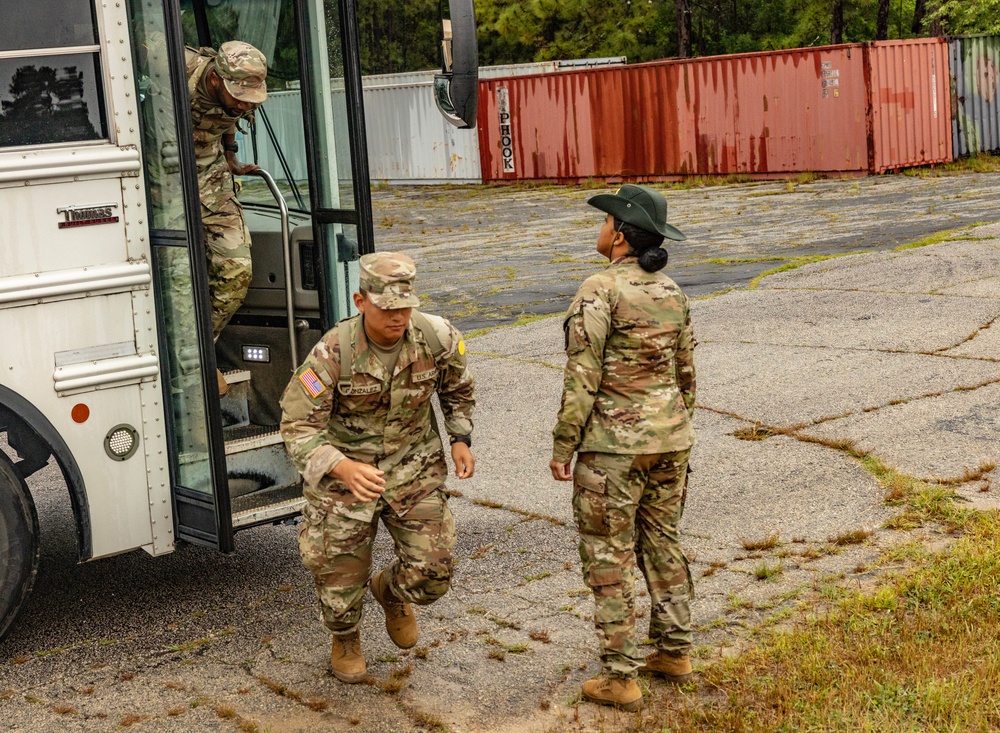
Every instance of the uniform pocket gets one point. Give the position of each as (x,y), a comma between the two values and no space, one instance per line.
(312,540)
(590,500)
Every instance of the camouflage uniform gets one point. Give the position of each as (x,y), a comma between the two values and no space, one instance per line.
(384,420)
(627,402)
(226,235)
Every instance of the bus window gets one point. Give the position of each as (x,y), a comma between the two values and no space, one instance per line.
(50,74)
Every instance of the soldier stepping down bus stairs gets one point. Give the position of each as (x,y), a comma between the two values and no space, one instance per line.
(225,88)
(627,405)
(358,423)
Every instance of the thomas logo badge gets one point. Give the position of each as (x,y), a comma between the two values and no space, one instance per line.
(82,216)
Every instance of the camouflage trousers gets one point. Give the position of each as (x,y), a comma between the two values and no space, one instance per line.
(336,545)
(227,239)
(628,509)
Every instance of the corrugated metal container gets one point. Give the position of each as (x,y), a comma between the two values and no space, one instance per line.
(749,113)
(410,142)
(975,88)
(408,139)
(284,112)
(910,103)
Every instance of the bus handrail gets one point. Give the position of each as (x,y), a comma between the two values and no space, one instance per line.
(286,243)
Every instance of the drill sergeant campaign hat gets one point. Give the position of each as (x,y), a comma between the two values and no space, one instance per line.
(388,278)
(243,70)
(639,206)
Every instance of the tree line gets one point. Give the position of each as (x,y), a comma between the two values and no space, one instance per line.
(403,35)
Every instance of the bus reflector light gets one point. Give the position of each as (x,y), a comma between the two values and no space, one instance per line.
(257,353)
(121,442)
(80,413)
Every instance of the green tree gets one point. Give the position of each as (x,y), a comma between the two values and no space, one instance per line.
(969,16)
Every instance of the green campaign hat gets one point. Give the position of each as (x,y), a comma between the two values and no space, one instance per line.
(639,206)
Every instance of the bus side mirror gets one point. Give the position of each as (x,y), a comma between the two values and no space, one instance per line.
(456,88)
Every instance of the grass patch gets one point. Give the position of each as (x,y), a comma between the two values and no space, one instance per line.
(921,652)
(765,571)
(851,537)
(753,432)
(765,543)
(981,163)
(396,680)
(793,264)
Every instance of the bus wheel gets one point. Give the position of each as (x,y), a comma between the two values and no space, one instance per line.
(19,547)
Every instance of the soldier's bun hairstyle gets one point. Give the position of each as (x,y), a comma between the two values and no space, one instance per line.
(653,259)
(645,245)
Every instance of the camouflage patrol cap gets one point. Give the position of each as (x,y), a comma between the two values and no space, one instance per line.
(388,278)
(243,70)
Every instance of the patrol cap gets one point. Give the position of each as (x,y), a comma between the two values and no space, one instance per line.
(243,70)
(388,278)
(639,206)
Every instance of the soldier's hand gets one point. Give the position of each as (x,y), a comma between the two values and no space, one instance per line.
(364,481)
(560,471)
(465,463)
(242,169)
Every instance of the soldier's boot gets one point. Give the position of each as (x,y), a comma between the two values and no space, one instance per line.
(346,660)
(673,668)
(223,384)
(400,621)
(616,691)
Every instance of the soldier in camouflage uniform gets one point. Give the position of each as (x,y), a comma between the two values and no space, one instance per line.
(627,404)
(225,87)
(358,423)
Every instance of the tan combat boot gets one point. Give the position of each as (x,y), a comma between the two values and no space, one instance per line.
(223,384)
(673,669)
(346,660)
(622,693)
(400,621)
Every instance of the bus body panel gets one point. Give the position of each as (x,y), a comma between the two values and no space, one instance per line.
(122,495)
(86,332)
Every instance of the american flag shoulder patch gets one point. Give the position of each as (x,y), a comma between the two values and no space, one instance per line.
(311,382)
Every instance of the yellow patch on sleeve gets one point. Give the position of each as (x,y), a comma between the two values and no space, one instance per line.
(461,348)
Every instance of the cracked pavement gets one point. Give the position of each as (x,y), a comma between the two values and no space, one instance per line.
(895,351)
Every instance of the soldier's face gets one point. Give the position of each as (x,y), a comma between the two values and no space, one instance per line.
(384,327)
(233,106)
(607,238)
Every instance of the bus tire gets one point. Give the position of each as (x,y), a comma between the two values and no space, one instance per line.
(19,547)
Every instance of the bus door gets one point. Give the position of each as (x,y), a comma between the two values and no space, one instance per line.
(309,215)
(198,478)
(310,218)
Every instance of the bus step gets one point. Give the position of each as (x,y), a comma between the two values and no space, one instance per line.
(263,469)
(235,405)
(267,507)
(241,438)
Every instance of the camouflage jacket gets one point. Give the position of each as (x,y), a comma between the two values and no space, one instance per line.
(629,383)
(385,421)
(209,122)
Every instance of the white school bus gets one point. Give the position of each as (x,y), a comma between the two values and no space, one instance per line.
(107,362)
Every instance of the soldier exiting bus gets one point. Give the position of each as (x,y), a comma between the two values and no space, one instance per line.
(626,411)
(358,423)
(225,87)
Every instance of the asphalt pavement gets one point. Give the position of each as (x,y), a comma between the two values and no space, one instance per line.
(897,351)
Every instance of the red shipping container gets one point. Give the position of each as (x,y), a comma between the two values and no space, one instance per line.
(765,113)
(910,103)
